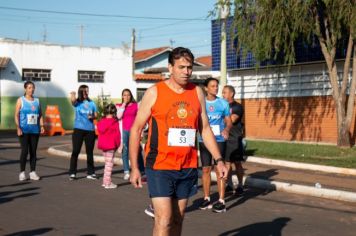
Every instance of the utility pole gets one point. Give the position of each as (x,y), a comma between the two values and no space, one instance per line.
(171,42)
(81,35)
(133,43)
(44,33)
(224,7)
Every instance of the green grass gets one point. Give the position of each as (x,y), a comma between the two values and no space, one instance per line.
(306,153)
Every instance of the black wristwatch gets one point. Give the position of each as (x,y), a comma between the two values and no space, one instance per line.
(219,159)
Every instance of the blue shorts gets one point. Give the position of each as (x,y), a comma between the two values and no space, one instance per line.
(179,184)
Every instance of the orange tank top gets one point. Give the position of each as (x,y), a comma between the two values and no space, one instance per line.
(173,123)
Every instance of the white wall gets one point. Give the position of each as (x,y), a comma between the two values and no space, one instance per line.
(299,80)
(64,63)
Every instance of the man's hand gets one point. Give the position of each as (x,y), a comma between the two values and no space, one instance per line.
(135,178)
(222,170)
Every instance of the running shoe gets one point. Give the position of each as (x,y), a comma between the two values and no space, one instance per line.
(150,211)
(72,177)
(206,204)
(34,176)
(22,176)
(110,186)
(92,176)
(219,207)
(126,176)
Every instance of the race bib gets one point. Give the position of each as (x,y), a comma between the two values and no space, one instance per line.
(216,130)
(32,119)
(181,137)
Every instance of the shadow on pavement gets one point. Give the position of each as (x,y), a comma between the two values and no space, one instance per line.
(14,185)
(269,228)
(251,193)
(4,198)
(8,162)
(7,148)
(32,232)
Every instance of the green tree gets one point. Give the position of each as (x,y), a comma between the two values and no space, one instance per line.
(269,28)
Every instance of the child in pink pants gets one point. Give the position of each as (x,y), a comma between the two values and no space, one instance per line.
(109,140)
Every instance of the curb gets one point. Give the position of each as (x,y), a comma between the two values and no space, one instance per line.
(295,188)
(304,166)
(97,158)
(261,183)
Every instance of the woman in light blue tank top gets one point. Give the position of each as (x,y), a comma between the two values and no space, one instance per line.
(29,123)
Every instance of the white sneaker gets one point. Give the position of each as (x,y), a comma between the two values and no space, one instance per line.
(126,176)
(110,186)
(34,176)
(22,176)
(92,176)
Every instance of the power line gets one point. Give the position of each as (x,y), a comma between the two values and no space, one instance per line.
(101,15)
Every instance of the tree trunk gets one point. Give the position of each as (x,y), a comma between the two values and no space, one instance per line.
(343,127)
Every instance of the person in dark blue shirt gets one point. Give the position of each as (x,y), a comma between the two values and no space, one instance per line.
(234,152)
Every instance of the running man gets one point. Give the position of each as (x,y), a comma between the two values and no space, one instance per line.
(175,110)
(218,112)
(234,145)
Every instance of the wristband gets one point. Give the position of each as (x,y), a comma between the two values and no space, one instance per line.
(219,159)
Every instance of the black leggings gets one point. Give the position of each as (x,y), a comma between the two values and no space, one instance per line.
(28,144)
(78,137)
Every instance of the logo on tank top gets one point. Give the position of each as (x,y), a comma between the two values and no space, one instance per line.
(33,108)
(211,108)
(182,112)
(181,115)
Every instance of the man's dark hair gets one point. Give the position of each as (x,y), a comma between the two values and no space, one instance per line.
(232,89)
(208,80)
(179,52)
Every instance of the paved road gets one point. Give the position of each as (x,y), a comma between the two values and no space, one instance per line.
(56,206)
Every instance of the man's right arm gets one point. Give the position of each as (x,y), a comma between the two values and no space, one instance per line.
(143,114)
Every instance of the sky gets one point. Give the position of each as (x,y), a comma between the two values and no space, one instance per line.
(109,23)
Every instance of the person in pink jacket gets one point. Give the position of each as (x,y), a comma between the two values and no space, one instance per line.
(109,140)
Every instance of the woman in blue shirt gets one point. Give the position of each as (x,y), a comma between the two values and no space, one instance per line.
(84,131)
(29,123)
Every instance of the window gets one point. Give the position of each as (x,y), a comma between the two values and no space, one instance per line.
(140,92)
(36,74)
(91,76)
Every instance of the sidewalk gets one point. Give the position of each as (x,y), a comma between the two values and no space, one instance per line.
(334,183)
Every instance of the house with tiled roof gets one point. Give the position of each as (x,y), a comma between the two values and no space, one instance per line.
(151,67)
(205,61)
